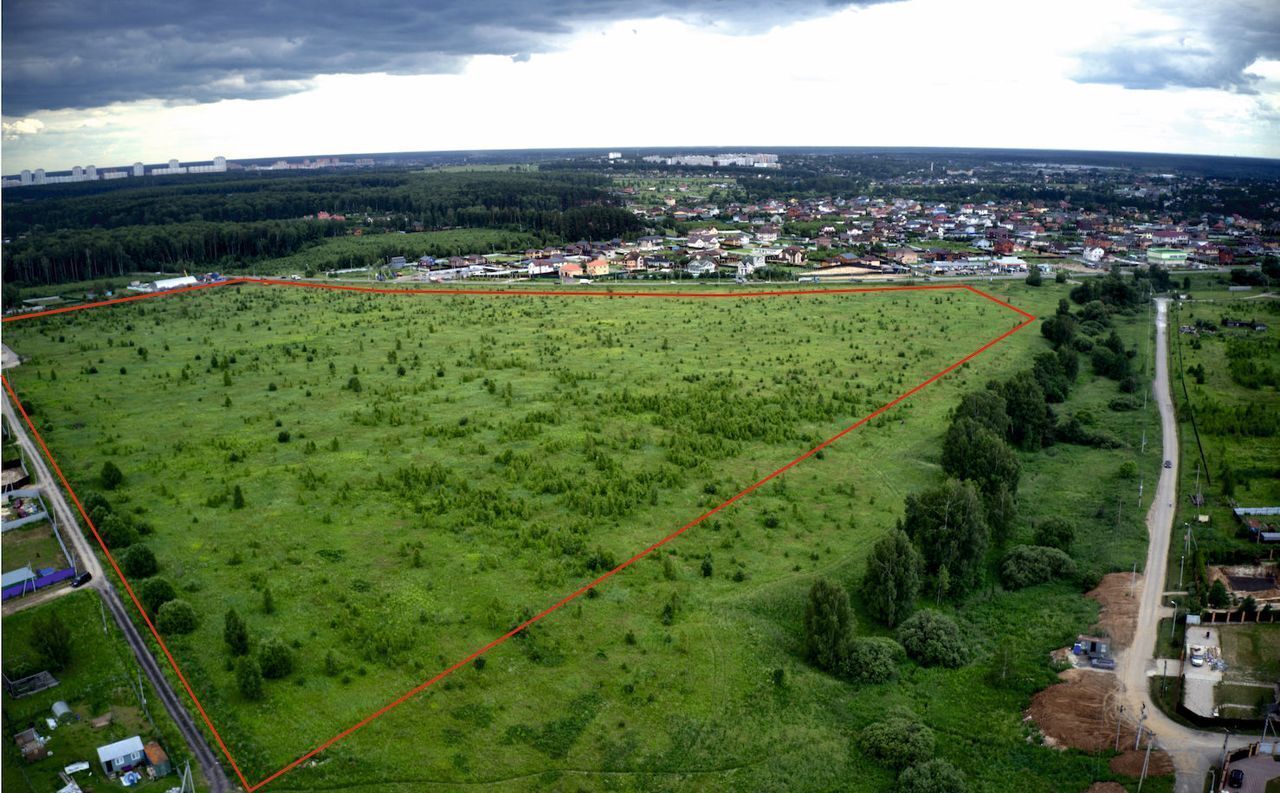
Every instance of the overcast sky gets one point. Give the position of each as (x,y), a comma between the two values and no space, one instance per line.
(108,83)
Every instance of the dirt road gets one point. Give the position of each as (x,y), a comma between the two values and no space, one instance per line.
(1193,751)
(56,501)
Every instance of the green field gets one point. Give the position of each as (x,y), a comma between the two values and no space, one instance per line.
(101,678)
(420,474)
(33,544)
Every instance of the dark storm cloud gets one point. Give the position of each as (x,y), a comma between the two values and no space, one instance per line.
(1214,46)
(86,53)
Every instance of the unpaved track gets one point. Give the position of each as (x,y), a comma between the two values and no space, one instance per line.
(55,500)
(1193,751)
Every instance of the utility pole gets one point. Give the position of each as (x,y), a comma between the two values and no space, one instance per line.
(1223,763)
(1146,761)
(1142,723)
(103,609)
(1141,483)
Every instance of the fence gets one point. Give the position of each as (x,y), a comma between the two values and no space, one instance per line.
(39,582)
(32,518)
(27,686)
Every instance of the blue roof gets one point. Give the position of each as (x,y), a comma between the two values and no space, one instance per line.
(19,576)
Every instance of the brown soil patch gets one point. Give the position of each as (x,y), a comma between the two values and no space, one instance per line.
(1080,712)
(1118,596)
(1130,763)
(1106,787)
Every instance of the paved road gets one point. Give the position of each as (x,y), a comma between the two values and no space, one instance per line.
(1193,751)
(88,560)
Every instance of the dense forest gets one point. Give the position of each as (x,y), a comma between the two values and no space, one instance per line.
(225,223)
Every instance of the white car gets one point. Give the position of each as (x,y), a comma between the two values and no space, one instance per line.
(1197,655)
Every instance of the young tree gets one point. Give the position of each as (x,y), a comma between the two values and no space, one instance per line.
(1034,276)
(892,579)
(177,617)
(249,678)
(268,602)
(946,523)
(932,639)
(1219,598)
(828,624)
(1001,510)
(111,476)
(237,498)
(235,633)
(275,658)
(154,593)
(138,561)
(987,407)
(51,641)
(972,451)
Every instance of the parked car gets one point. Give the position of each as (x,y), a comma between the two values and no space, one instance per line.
(1197,655)
(1168,463)
(81,580)
(1235,778)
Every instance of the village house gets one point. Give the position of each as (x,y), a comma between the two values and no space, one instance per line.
(767,233)
(596,267)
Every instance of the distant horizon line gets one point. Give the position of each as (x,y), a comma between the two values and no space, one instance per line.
(696,149)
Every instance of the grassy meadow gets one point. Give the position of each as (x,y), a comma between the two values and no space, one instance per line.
(421,473)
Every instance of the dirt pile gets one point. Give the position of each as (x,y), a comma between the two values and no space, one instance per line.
(1117,593)
(1106,787)
(1129,763)
(1082,711)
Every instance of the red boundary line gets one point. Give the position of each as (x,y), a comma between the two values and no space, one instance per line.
(1029,318)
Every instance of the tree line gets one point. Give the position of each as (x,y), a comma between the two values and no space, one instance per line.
(228,225)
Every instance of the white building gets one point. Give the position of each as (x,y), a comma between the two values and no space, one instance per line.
(139,169)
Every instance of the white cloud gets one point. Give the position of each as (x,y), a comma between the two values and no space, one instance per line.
(993,74)
(23,126)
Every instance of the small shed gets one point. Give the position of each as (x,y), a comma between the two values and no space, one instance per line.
(62,712)
(121,755)
(158,759)
(31,745)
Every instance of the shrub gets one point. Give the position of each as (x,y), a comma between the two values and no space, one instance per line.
(111,476)
(235,633)
(1026,565)
(177,617)
(1056,533)
(51,641)
(275,658)
(249,678)
(897,741)
(139,561)
(871,659)
(932,776)
(117,532)
(154,593)
(932,639)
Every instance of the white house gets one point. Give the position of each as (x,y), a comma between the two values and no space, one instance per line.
(121,755)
